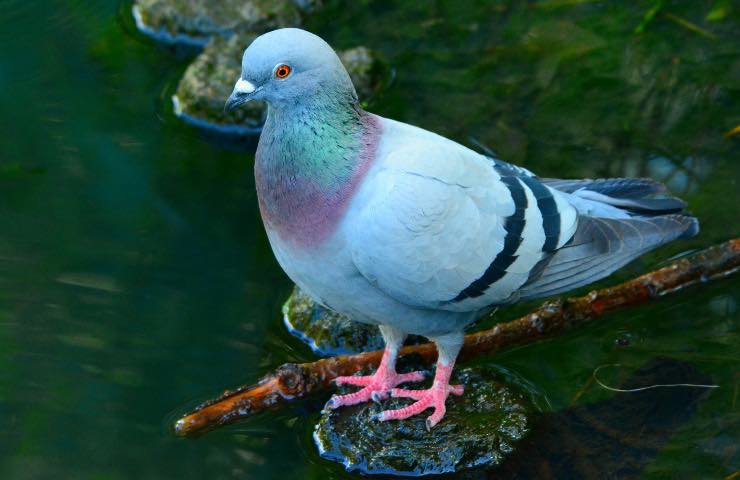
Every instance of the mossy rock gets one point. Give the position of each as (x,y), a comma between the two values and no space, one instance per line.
(193,22)
(326,332)
(480,429)
(209,80)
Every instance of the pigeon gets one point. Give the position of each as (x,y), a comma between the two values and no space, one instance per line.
(399,227)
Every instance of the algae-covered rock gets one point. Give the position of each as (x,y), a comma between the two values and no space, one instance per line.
(326,332)
(193,22)
(364,68)
(480,429)
(208,81)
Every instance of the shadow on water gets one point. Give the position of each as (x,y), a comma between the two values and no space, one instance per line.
(616,438)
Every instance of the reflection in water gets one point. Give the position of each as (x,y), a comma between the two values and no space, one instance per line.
(615,438)
(682,176)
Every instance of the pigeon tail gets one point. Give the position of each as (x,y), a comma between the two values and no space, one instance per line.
(628,196)
(619,220)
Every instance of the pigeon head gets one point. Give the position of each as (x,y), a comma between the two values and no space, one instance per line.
(290,67)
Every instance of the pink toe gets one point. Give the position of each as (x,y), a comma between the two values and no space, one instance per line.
(400,392)
(350,399)
(361,381)
(434,418)
(409,377)
(457,389)
(434,397)
(406,412)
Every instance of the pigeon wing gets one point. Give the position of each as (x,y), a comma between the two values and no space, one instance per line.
(445,229)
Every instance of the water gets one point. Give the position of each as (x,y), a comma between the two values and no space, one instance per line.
(136,279)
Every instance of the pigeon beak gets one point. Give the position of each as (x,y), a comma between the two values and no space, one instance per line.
(242,94)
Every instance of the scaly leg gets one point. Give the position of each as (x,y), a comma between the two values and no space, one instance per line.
(448,347)
(377,386)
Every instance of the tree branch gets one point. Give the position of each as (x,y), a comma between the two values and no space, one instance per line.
(293,381)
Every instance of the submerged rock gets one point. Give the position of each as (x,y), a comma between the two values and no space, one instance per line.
(326,332)
(208,81)
(479,430)
(193,22)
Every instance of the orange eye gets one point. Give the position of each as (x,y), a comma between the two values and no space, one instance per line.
(282,71)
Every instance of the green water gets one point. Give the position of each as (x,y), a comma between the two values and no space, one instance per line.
(136,279)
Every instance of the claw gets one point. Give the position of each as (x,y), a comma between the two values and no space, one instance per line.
(434,398)
(376,387)
(360,381)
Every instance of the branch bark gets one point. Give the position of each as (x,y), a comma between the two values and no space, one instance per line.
(293,381)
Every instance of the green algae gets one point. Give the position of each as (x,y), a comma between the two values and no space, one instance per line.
(480,429)
(326,332)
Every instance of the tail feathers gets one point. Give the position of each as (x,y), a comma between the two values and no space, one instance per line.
(612,187)
(630,195)
(642,206)
(602,245)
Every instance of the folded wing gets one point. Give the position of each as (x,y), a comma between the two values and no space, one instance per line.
(447,228)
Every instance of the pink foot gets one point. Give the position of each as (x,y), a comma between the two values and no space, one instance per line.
(377,387)
(434,398)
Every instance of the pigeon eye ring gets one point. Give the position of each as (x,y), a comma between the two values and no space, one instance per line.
(282,71)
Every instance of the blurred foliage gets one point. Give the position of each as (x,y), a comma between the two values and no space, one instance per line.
(564,85)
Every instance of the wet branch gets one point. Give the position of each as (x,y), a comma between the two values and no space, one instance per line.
(293,381)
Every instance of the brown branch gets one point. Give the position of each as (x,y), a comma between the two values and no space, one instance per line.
(293,381)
